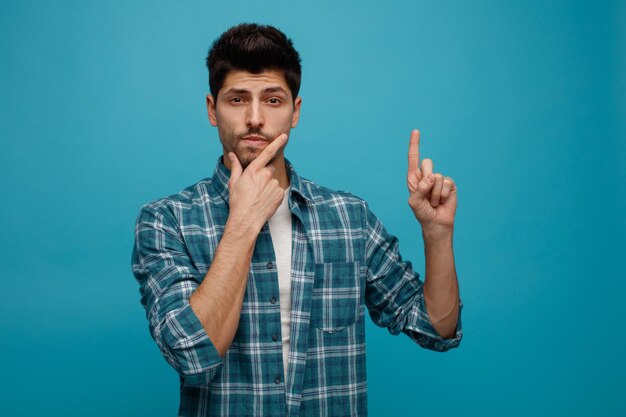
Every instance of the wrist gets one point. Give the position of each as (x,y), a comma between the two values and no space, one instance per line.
(436,234)
(241,228)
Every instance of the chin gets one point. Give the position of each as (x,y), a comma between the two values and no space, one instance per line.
(248,155)
(246,160)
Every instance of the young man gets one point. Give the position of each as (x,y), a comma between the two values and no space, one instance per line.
(255,280)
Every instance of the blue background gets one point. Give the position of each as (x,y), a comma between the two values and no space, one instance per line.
(522,103)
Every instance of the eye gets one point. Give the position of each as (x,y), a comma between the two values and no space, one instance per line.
(274,100)
(236,100)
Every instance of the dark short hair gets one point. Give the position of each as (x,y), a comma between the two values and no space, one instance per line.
(253,48)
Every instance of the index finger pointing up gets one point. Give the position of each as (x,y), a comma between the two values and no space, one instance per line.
(269,152)
(414,152)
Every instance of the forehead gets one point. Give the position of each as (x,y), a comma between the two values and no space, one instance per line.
(239,79)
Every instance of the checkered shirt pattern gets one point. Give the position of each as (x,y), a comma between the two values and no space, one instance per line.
(343,260)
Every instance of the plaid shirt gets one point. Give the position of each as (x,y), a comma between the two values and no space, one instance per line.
(343,260)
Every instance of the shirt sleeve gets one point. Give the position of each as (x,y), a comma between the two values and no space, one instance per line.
(394,293)
(167,278)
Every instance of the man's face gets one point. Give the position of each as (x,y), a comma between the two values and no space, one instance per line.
(251,111)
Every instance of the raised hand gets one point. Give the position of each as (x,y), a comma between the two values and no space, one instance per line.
(254,194)
(433,197)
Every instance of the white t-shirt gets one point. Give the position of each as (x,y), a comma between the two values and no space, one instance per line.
(280,229)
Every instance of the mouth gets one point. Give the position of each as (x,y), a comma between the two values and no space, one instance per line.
(255,141)
(255,138)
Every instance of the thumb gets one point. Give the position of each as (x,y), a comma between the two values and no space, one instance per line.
(424,186)
(419,201)
(236,170)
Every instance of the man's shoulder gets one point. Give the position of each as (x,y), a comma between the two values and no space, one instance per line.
(327,196)
(339,214)
(197,194)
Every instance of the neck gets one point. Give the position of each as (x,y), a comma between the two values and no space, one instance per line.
(280,171)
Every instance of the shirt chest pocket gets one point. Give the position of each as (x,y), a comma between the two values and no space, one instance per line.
(336,296)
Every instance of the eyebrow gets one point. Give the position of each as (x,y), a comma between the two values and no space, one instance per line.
(276,89)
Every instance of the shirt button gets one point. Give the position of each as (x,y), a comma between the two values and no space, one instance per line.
(275,337)
(270,264)
(273,300)
(277,380)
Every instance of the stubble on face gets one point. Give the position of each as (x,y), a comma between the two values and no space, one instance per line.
(233,142)
(267,118)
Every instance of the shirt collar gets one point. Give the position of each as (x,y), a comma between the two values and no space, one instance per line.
(221,175)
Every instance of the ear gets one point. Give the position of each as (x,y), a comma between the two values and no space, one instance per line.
(210,108)
(296,111)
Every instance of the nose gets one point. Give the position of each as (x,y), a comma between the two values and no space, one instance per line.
(254,115)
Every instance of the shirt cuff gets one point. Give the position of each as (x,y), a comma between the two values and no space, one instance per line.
(197,357)
(421,330)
